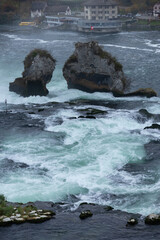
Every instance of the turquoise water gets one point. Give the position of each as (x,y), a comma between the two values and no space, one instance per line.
(81,160)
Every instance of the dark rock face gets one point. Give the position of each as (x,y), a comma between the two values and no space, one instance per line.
(67,225)
(91,69)
(153,126)
(38,68)
(143,116)
(142,92)
(132,222)
(152,219)
(146,114)
(8,164)
(85,214)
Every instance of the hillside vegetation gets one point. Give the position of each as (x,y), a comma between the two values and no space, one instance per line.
(14,9)
(138,5)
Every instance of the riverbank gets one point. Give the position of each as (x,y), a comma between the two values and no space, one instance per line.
(141,25)
(66,224)
(126,26)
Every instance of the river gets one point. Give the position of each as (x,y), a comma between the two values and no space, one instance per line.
(52,155)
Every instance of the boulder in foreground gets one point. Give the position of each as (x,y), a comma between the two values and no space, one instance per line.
(10,214)
(38,69)
(92,69)
(152,219)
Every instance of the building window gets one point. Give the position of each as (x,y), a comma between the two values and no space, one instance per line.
(93,12)
(113,12)
(106,12)
(87,12)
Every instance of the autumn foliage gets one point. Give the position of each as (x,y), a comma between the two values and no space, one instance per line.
(138,5)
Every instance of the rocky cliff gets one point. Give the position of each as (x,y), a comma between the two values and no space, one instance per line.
(92,69)
(38,68)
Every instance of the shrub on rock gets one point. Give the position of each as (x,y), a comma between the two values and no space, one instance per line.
(21,213)
(85,214)
(92,69)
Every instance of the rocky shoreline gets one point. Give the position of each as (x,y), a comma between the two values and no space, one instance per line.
(96,221)
(102,222)
(18,213)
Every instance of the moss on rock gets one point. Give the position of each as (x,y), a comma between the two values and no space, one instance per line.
(72,59)
(85,214)
(21,214)
(30,57)
(92,69)
(105,55)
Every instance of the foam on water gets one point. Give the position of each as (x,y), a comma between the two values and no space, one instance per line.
(81,157)
(58,92)
(151,44)
(127,47)
(36,40)
(75,165)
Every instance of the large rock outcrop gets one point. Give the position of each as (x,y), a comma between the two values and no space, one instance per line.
(38,69)
(92,69)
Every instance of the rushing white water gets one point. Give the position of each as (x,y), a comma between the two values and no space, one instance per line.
(82,157)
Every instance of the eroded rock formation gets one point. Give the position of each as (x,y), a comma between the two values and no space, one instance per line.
(38,68)
(92,69)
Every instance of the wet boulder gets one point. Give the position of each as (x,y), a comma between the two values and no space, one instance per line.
(38,69)
(152,219)
(92,69)
(9,164)
(146,114)
(85,214)
(153,126)
(132,222)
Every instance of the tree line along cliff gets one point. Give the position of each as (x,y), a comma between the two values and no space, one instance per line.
(20,9)
(138,6)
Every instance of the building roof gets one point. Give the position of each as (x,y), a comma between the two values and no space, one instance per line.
(100,3)
(38,5)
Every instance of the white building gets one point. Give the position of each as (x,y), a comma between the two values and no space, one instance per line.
(38,8)
(100,10)
(156,10)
